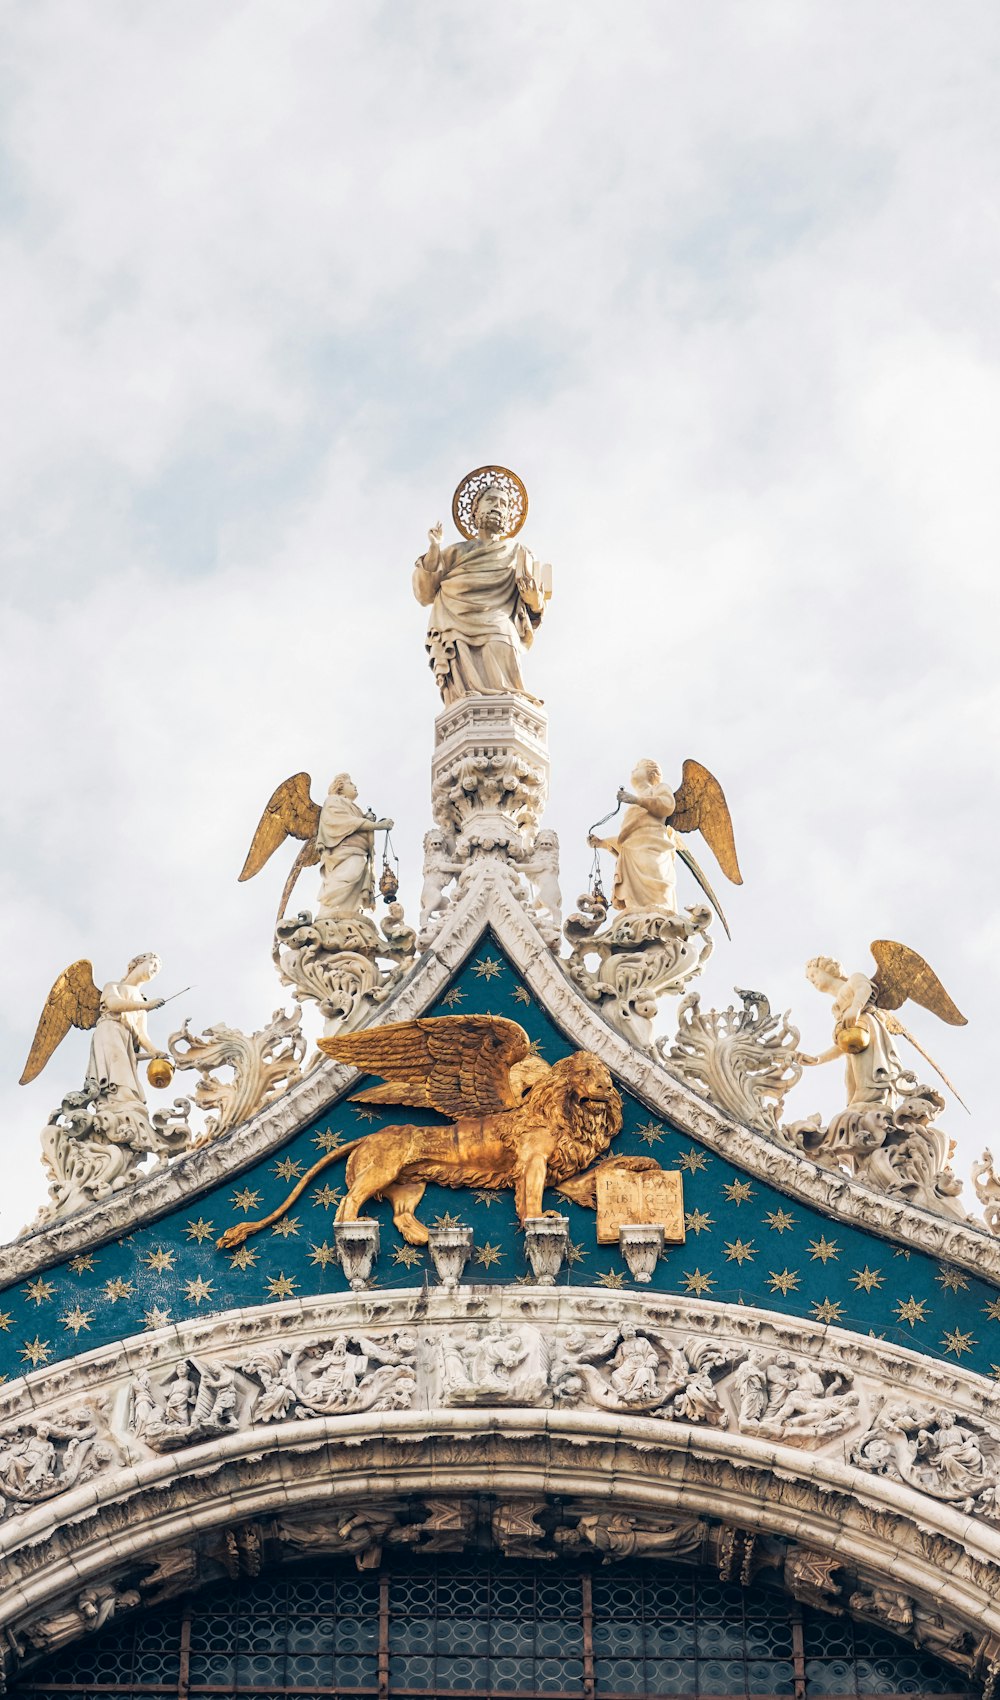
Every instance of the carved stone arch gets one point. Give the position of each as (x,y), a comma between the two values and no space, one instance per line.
(409,1452)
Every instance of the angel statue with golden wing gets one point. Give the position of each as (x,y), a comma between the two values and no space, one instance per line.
(95,1139)
(117,1015)
(647,844)
(864,1025)
(337,834)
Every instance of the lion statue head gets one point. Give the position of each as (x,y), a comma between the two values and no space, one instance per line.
(578,1094)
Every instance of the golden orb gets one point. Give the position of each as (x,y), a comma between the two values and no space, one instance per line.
(854,1038)
(160,1072)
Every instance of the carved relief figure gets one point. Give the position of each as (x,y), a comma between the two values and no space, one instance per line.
(634,1367)
(143,1410)
(93,1608)
(180,1396)
(492,1365)
(619,1536)
(931,1450)
(278,1392)
(43,1458)
(362,1533)
(790,1400)
(486,594)
(197,1401)
(501,1135)
(629,1370)
(354,1372)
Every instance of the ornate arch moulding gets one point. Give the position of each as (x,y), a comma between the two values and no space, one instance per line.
(490,905)
(152,1492)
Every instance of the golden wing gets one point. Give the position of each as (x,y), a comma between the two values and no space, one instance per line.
(290,813)
(458,1064)
(700,804)
(74,1001)
(902,974)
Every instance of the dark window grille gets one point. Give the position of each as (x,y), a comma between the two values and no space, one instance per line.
(482,1625)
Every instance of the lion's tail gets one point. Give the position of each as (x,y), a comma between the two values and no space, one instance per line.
(241,1231)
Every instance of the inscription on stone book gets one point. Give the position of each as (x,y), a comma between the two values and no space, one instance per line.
(651,1198)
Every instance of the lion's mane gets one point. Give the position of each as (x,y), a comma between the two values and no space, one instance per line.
(587,1125)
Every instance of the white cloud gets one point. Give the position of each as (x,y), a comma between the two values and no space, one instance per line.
(718,281)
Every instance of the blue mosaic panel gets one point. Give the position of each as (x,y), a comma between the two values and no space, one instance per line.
(746,1242)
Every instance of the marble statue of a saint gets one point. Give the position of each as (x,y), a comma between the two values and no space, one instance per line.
(120,1035)
(345,841)
(486,597)
(645,848)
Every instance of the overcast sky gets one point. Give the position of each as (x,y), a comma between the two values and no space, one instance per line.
(718,280)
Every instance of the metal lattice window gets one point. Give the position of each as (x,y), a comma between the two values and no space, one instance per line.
(485,1626)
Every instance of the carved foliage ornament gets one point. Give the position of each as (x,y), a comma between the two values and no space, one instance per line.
(744,1060)
(263,1064)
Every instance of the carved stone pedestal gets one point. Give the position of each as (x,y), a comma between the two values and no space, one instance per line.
(640,1244)
(490,773)
(546,1244)
(357,1247)
(450,1250)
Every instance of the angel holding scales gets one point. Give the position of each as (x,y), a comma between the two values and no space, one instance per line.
(486,594)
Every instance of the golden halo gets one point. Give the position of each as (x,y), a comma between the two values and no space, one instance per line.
(474,483)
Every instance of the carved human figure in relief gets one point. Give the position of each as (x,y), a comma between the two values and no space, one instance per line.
(486,594)
(864,1025)
(647,844)
(635,1366)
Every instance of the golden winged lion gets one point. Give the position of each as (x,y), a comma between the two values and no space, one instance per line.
(513,1120)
